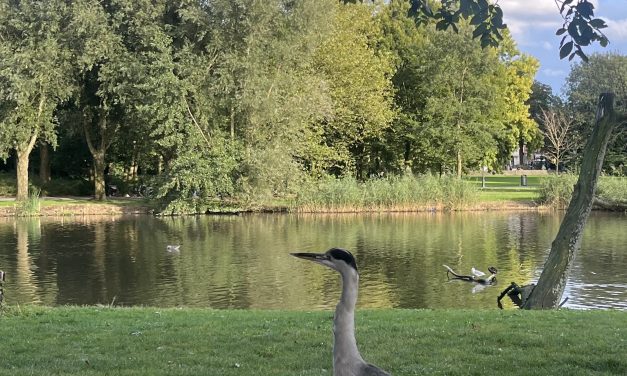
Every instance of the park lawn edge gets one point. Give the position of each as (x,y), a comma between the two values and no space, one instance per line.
(99,340)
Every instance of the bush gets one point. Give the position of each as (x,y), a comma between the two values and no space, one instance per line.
(557,190)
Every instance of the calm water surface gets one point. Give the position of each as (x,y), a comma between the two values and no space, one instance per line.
(244,262)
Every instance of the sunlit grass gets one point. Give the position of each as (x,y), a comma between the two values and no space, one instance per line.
(501,181)
(153,341)
(518,195)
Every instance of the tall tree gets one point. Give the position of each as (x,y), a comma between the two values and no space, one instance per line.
(34,77)
(603,73)
(357,73)
(521,130)
(464,101)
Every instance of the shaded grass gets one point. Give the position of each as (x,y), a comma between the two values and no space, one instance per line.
(56,187)
(152,341)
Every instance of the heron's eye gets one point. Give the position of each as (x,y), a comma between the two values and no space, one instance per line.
(344,255)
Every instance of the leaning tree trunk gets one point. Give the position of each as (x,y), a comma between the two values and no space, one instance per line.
(23,152)
(548,292)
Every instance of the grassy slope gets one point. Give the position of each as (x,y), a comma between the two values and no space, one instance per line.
(152,341)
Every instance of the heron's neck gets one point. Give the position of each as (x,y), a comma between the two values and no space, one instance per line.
(345,345)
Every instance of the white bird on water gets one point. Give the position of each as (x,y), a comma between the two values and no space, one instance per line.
(347,360)
(173,248)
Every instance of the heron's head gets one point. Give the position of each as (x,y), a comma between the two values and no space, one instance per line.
(335,258)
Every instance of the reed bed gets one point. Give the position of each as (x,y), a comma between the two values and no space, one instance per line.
(557,190)
(396,193)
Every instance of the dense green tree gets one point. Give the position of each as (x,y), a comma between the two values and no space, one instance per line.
(604,73)
(521,130)
(406,140)
(357,73)
(541,98)
(463,110)
(34,78)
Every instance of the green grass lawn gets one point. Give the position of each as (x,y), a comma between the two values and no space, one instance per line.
(509,194)
(502,181)
(153,341)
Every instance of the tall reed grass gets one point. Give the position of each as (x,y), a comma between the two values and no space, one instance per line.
(31,206)
(613,189)
(556,191)
(396,193)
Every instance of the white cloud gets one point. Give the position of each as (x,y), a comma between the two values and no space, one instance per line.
(553,72)
(616,29)
(547,46)
(523,16)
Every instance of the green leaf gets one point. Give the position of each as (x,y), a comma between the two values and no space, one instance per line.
(565,50)
(441,25)
(560,31)
(585,9)
(582,55)
(480,30)
(478,18)
(564,4)
(598,23)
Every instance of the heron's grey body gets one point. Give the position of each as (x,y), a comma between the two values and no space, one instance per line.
(347,360)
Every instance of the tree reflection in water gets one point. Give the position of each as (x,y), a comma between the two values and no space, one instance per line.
(243,261)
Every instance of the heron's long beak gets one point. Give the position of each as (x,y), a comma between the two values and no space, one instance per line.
(317,257)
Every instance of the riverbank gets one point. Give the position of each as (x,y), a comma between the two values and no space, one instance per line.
(76,206)
(155,341)
(488,200)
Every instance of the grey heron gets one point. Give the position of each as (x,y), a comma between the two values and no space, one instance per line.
(347,360)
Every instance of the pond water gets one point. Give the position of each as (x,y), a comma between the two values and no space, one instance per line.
(243,261)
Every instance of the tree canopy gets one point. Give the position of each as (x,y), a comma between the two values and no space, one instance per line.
(247,99)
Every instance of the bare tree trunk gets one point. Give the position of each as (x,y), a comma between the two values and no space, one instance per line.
(232,123)
(521,152)
(98,153)
(99,176)
(44,162)
(23,152)
(459,164)
(550,286)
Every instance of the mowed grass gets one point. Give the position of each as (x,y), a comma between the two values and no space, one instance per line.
(508,188)
(509,181)
(153,341)
(521,195)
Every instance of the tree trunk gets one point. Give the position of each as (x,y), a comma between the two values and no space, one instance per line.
(99,176)
(23,152)
(22,176)
(550,286)
(44,162)
(521,151)
(459,164)
(98,154)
